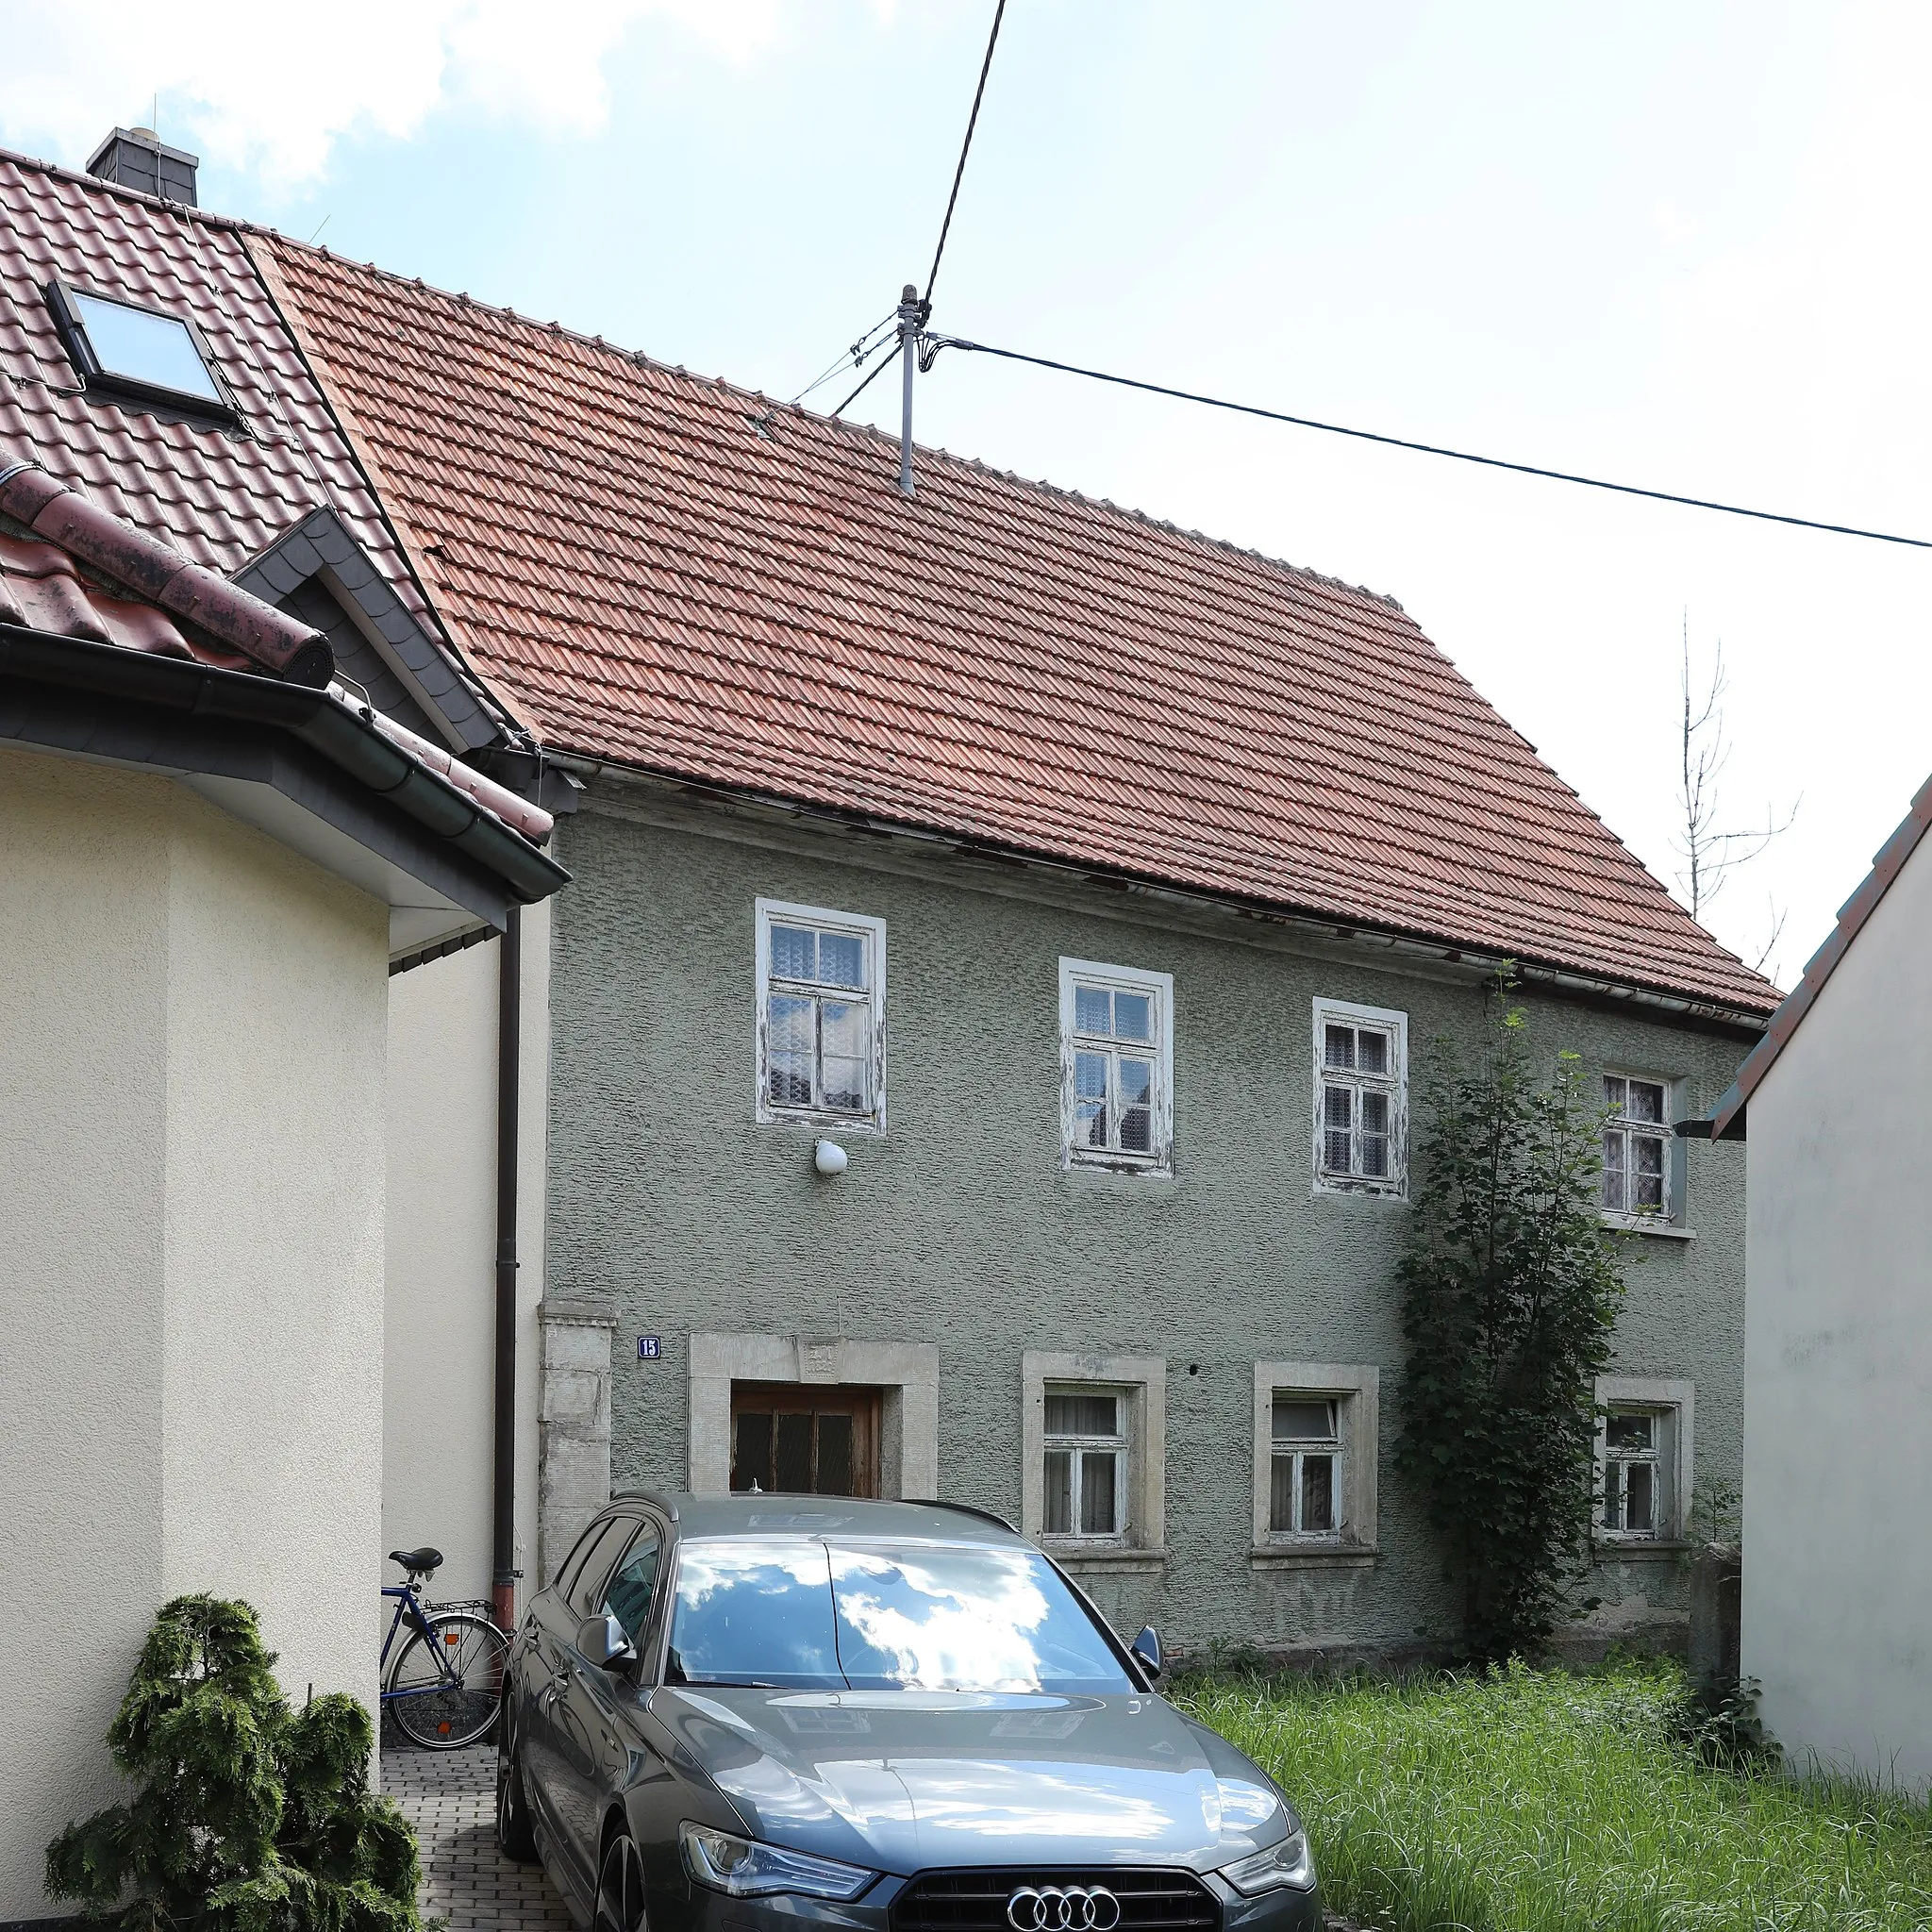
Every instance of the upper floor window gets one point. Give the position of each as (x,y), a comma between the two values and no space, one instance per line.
(1361,1099)
(147,351)
(1637,1146)
(1116,1066)
(822,1010)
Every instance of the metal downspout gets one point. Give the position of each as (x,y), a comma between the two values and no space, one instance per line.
(508,1056)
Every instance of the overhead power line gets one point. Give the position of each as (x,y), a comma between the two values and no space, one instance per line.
(856,357)
(932,345)
(965,148)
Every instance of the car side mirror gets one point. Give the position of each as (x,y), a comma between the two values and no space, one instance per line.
(602,1641)
(1145,1650)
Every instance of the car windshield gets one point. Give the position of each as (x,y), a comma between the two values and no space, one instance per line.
(808,1615)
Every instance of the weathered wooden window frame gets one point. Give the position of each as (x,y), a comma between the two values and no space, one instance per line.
(1354,1387)
(1077,1447)
(1143,1381)
(1674,1402)
(1670,1215)
(1394,1184)
(1158,1162)
(847,924)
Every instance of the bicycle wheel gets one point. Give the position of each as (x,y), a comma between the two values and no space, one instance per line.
(447,1682)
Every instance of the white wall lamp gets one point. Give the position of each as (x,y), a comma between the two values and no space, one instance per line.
(829,1157)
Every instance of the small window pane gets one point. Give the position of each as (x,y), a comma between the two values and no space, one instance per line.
(842,958)
(1371,1051)
(794,953)
(1297,1419)
(142,347)
(1339,1050)
(1613,1497)
(1646,1102)
(1613,1173)
(1613,1094)
(1137,1130)
(1092,1010)
(1073,1413)
(1097,1493)
(1133,1016)
(1281,1493)
(791,1468)
(1089,1076)
(835,1456)
(1318,1492)
(1137,1105)
(751,1459)
(1639,1498)
(1631,1432)
(1059,1493)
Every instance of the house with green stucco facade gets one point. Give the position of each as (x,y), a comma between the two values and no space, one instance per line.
(983,1040)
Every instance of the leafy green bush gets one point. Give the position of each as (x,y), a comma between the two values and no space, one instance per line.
(249,1817)
(1521,1801)
(1509,1299)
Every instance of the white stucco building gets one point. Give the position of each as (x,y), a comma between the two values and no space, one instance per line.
(213,857)
(1838,1409)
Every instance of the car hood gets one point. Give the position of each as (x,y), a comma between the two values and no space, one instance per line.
(903,1780)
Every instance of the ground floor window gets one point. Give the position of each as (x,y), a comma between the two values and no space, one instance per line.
(1644,1459)
(1316,1425)
(1086,1469)
(1093,1440)
(800,1440)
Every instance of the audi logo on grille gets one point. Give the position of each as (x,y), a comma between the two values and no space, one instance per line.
(1063,1908)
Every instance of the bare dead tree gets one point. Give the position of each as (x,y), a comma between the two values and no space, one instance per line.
(1710,849)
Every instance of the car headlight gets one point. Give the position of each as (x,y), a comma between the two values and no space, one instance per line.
(1286,1863)
(743,1868)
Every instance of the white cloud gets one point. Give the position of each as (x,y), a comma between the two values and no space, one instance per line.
(272,89)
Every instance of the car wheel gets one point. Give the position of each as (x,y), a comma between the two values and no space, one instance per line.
(514,1837)
(620,1888)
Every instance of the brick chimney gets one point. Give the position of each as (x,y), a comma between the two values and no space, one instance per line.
(135,158)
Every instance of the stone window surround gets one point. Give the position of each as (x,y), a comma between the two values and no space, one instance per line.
(821,918)
(1394,1187)
(1145,1381)
(1357,1387)
(1647,1391)
(906,1373)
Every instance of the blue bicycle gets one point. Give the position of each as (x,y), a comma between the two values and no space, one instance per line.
(448,1679)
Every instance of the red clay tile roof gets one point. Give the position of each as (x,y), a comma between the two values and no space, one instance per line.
(655,582)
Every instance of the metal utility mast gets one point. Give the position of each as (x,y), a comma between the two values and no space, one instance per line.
(912,314)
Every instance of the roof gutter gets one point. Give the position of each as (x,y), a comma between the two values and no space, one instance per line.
(1331,928)
(349,736)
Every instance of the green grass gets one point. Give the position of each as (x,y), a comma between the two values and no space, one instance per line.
(1550,1802)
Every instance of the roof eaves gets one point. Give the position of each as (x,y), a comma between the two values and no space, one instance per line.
(1728,1119)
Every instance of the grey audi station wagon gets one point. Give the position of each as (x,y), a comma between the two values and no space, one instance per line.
(769,1713)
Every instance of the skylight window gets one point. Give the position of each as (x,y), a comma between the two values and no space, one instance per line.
(144,350)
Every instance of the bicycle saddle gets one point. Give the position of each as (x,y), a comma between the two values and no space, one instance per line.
(422,1562)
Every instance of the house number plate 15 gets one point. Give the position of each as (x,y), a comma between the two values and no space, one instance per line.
(650,1347)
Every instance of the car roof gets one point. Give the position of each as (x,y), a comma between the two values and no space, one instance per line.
(762,1514)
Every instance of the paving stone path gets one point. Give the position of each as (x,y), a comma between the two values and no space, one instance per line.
(450,1798)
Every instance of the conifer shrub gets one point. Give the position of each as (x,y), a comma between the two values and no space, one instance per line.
(247,1816)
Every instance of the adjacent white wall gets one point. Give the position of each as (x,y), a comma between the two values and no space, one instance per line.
(1838,1416)
(440,1338)
(192,1057)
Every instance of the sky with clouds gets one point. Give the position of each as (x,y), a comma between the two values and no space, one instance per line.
(1681,244)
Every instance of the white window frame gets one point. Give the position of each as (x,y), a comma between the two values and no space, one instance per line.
(1141,1382)
(1159,1161)
(1394,1184)
(1077,1447)
(1354,1387)
(1675,1402)
(1670,1216)
(821,918)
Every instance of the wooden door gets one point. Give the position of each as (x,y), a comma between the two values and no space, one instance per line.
(805,1439)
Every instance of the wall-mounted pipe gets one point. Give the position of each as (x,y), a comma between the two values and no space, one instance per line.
(503,1582)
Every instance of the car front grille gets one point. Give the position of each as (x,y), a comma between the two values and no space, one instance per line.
(976,1901)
